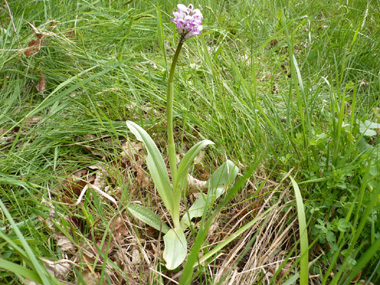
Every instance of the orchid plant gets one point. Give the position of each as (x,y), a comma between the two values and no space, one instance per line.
(189,24)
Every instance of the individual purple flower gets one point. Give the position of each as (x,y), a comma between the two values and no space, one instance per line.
(188,21)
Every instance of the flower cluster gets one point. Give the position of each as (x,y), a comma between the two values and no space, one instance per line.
(188,21)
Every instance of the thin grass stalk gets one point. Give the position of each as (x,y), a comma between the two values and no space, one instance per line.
(160,32)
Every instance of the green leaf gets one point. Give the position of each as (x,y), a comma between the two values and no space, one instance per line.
(147,216)
(222,177)
(196,210)
(292,280)
(366,128)
(189,157)
(371,125)
(217,184)
(20,270)
(304,259)
(367,132)
(175,248)
(343,225)
(156,165)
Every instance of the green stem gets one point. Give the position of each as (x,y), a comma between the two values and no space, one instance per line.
(171,145)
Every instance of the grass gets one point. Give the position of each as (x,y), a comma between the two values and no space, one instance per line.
(282,88)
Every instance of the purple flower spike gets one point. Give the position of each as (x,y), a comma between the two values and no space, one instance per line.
(188,21)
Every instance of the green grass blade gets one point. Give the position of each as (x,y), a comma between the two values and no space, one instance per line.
(358,231)
(20,270)
(304,264)
(40,270)
(16,248)
(292,280)
(160,32)
(52,98)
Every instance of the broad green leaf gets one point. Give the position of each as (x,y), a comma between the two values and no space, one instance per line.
(20,270)
(371,125)
(217,185)
(147,216)
(196,210)
(222,177)
(187,160)
(156,165)
(366,128)
(175,248)
(367,132)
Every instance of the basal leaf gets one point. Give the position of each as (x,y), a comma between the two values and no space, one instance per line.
(196,210)
(147,216)
(156,165)
(216,184)
(187,160)
(175,248)
(223,176)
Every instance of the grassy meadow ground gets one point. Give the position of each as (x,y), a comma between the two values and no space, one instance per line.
(288,90)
